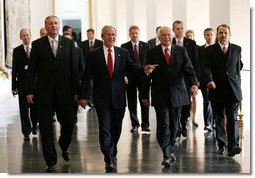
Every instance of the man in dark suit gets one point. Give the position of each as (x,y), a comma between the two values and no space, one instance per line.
(21,56)
(207,109)
(108,65)
(191,48)
(80,65)
(222,67)
(52,83)
(86,46)
(154,41)
(137,50)
(168,90)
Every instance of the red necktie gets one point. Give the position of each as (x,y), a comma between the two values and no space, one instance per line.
(136,56)
(224,50)
(109,63)
(167,56)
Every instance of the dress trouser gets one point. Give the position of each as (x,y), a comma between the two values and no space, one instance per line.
(110,126)
(28,115)
(167,127)
(65,117)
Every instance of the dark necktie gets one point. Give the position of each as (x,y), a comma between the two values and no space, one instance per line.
(167,56)
(136,56)
(109,63)
(91,45)
(224,50)
(28,52)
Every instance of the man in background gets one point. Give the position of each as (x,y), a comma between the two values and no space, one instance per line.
(21,55)
(137,50)
(86,46)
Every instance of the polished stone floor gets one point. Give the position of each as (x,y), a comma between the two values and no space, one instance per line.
(138,153)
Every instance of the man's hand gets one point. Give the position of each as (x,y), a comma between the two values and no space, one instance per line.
(125,80)
(149,68)
(76,98)
(211,85)
(14,92)
(30,99)
(83,103)
(146,102)
(194,90)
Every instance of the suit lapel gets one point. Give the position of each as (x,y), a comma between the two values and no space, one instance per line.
(117,59)
(60,45)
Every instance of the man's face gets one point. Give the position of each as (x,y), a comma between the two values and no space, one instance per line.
(223,35)
(134,35)
(90,35)
(109,37)
(209,37)
(165,36)
(25,36)
(52,26)
(178,30)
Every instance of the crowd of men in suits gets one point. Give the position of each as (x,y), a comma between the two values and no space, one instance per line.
(53,75)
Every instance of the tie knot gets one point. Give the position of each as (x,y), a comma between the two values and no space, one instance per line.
(166,49)
(109,50)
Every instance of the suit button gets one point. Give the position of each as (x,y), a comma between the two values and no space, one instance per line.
(227,73)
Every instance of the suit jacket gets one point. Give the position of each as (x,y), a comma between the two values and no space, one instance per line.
(52,79)
(143,47)
(85,47)
(167,81)
(80,63)
(224,71)
(19,69)
(107,91)
(152,43)
(201,58)
(191,48)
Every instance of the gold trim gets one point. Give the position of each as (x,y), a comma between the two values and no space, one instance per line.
(53,7)
(90,13)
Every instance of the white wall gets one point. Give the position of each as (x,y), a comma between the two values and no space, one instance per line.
(39,10)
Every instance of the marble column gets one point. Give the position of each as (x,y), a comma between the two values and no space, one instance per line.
(17,17)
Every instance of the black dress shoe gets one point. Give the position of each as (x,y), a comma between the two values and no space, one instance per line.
(208,127)
(34,131)
(109,166)
(26,138)
(184,132)
(146,129)
(66,155)
(195,124)
(221,150)
(234,150)
(51,169)
(134,129)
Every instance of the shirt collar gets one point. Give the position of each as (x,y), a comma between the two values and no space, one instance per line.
(55,39)
(221,45)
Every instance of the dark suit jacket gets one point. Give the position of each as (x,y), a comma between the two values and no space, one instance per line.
(191,48)
(80,63)
(152,42)
(52,78)
(167,81)
(201,58)
(85,47)
(143,47)
(224,71)
(105,89)
(19,69)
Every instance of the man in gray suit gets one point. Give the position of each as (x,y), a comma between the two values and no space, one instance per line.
(52,84)
(168,90)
